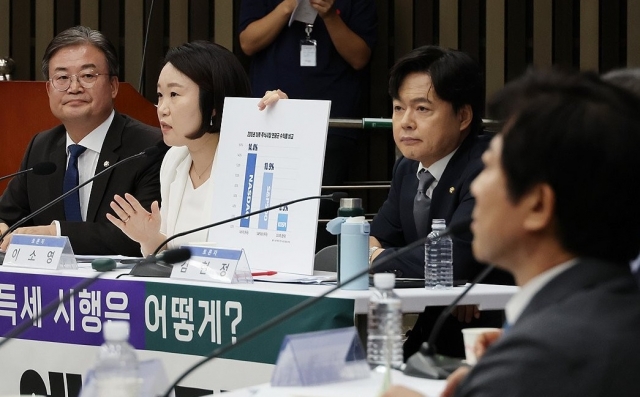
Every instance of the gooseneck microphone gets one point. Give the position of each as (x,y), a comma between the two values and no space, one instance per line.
(334,197)
(452,230)
(151,151)
(426,363)
(44,168)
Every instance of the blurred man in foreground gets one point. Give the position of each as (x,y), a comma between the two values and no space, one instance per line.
(556,206)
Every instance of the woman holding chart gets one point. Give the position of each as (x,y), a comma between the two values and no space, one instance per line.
(195,79)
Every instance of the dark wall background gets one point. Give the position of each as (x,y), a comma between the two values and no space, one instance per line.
(505,36)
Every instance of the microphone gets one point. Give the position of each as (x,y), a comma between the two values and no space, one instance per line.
(148,152)
(425,363)
(451,230)
(334,197)
(44,168)
(144,47)
(160,265)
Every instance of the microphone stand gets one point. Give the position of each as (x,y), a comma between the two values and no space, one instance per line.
(334,196)
(426,363)
(303,305)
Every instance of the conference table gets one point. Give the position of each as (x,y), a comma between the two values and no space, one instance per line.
(367,387)
(175,321)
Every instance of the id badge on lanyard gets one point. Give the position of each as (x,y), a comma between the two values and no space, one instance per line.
(308,49)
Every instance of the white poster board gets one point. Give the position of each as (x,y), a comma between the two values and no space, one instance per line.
(266,158)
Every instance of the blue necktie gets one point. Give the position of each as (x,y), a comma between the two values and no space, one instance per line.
(71,179)
(422,203)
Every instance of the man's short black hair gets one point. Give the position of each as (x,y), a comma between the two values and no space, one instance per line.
(581,136)
(456,78)
(218,74)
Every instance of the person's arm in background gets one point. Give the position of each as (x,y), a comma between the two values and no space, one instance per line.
(351,47)
(262,32)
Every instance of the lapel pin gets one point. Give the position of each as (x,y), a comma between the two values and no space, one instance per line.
(106,164)
(452,189)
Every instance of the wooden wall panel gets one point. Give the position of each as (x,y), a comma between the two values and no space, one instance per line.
(589,37)
(448,23)
(21,29)
(67,14)
(402,27)
(43,34)
(178,22)
(633,33)
(156,48)
(5,28)
(516,38)
(505,36)
(542,33)
(224,25)
(611,54)
(472,28)
(495,45)
(425,22)
(133,41)
(90,15)
(563,37)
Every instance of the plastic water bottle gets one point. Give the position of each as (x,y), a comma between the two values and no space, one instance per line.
(116,372)
(438,258)
(384,340)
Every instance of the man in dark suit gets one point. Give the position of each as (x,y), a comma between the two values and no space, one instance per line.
(81,67)
(557,207)
(437,125)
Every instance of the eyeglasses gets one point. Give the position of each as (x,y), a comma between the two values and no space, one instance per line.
(62,81)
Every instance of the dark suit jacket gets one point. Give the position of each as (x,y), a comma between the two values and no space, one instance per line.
(452,201)
(579,336)
(28,193)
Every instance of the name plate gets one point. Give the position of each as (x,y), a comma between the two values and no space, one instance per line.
(218,265)
(40,252)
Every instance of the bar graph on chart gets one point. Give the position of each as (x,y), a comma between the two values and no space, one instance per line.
(267,158)
(270,173)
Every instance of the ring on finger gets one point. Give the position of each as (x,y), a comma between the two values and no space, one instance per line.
(127,220)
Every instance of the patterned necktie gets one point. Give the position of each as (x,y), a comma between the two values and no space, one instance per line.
(71,179)
(422,203)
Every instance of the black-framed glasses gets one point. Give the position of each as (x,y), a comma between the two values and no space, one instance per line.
(62,81)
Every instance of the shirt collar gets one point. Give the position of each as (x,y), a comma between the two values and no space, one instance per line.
(521,299)
(94,140)
(437,169)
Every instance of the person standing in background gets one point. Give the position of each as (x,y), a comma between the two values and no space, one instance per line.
(340,42)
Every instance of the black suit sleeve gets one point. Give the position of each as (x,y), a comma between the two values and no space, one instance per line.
(102,237)
(139,177)
(14,202)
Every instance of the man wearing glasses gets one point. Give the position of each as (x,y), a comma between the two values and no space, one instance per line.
(81,67)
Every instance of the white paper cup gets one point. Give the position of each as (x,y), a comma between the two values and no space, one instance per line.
(470,336)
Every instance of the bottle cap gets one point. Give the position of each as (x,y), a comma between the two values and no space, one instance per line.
(351,203)
(438,224)
(116,331)
(384,280)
